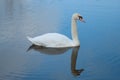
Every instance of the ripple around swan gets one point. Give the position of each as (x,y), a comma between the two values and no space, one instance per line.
(23,76)
(114,60)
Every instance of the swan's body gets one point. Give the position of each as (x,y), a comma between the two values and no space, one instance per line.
(52,40)
(58,40)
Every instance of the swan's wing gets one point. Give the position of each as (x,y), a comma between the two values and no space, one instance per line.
(52,40)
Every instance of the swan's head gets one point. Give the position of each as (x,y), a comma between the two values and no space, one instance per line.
(77,16)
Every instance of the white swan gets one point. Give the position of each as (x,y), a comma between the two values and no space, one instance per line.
(56,40)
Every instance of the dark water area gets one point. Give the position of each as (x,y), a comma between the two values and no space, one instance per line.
(97,58)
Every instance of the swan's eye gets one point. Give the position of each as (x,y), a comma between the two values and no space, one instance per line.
(80,17)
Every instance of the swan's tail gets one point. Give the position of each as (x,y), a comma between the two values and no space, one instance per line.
(29,38)
(34,42)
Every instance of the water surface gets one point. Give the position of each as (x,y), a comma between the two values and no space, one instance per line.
(98,57)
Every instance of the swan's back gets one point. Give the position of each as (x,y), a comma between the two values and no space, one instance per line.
(52,40)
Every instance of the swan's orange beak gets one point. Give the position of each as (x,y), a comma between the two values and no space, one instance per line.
(81,19)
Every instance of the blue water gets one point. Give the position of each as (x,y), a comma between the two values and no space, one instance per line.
(97,58)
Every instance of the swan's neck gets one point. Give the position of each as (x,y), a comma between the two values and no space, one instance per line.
(74,33)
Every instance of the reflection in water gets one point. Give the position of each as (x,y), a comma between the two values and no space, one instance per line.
(50,51)
(10,7)
(75,72)
(54,51)
(13,8)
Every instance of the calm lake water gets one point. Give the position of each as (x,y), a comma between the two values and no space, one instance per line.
(98,57)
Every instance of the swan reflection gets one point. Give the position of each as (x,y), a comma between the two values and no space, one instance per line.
(49,51)
(55,51)
(75,72)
